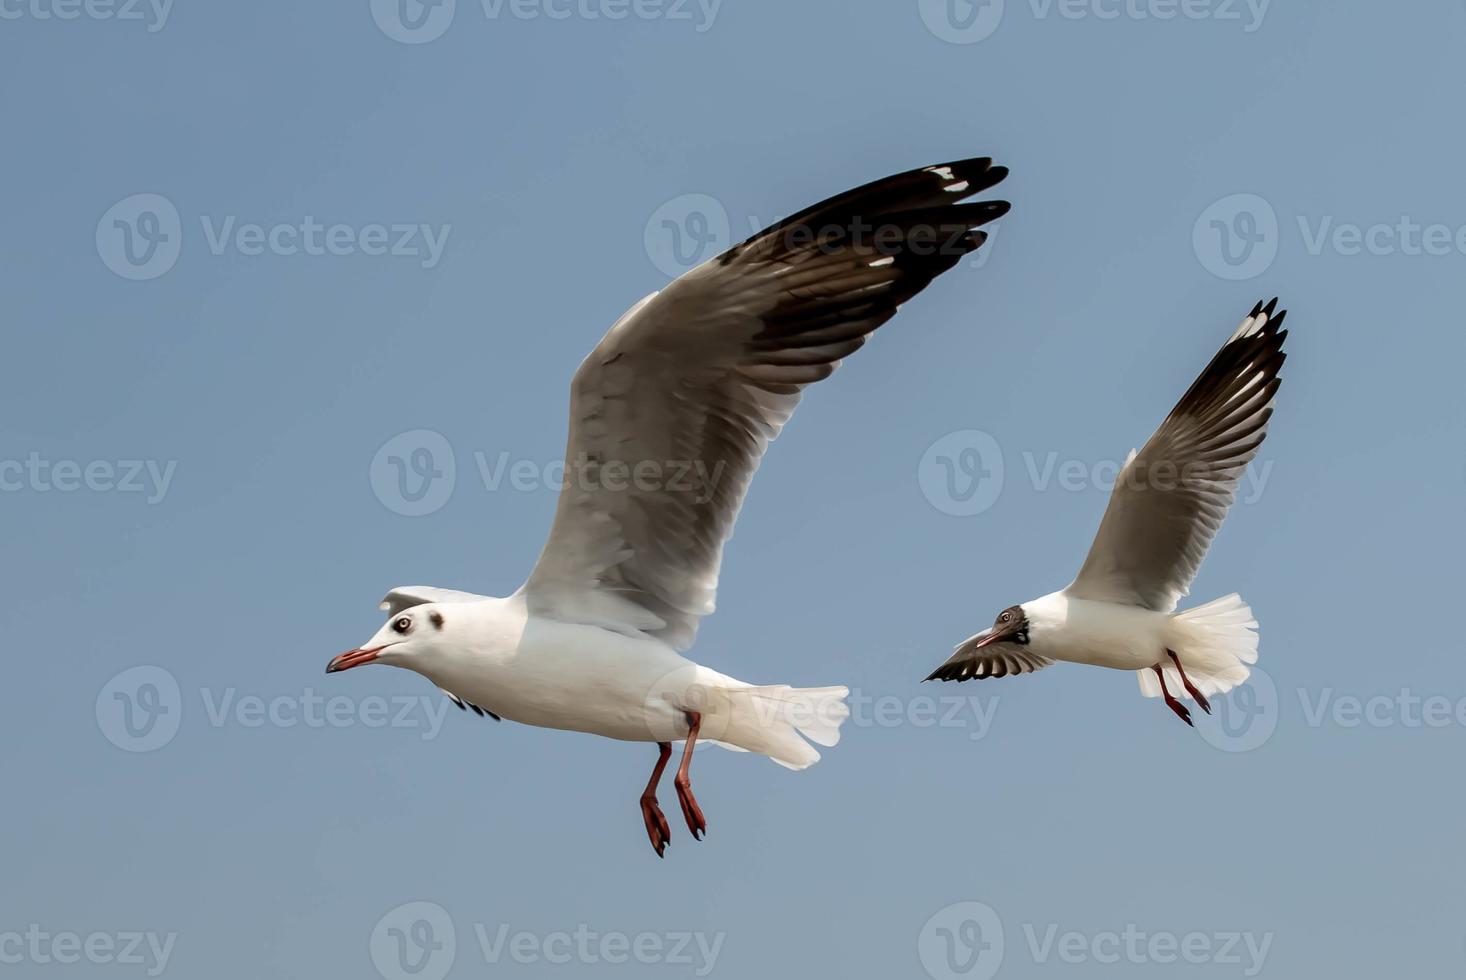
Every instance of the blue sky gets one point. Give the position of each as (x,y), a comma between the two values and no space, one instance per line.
(253,254)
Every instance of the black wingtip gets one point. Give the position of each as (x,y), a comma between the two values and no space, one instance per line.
(946,672)
(1271,306)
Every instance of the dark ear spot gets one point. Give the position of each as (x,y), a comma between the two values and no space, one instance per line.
(436,618)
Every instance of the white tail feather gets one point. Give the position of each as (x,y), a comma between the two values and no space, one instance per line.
(771,720)
(1215,642)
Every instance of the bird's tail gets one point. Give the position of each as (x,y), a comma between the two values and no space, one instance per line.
(775,721)
(1215,642)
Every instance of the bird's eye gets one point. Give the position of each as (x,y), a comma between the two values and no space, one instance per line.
(1005,617)
(402,625)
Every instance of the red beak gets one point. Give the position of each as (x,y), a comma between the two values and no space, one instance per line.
(992,637)
(353,658)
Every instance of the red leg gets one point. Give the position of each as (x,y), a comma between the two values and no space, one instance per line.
(656,823)
(695,820)
(1181,710)
(1200,698)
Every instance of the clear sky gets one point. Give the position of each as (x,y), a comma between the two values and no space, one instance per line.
(361,223)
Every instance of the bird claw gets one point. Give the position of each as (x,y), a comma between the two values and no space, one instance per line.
(1200,698)
(1182,712)
(696,822)
(656,825)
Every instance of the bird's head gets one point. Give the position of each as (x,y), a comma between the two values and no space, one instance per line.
(997,651)
(404,641)
(1010,626)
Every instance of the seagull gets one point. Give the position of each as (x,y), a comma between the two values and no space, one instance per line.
(670,415)
(1168,502)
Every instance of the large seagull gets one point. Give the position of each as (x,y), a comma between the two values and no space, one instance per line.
(669,417)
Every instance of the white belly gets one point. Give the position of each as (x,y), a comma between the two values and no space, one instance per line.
(1101,633)
(580,678)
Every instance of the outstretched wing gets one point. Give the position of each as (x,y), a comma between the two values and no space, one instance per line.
(407,596)
(970,661)
(1171,497)
(671,413)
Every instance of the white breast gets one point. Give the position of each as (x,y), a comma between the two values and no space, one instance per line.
(561,675)
(1104,634)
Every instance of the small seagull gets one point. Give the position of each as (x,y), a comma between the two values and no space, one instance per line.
(669,418)
(1168,502)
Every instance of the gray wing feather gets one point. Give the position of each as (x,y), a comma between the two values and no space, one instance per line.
(969,662)
(1172,496)
(671,413)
